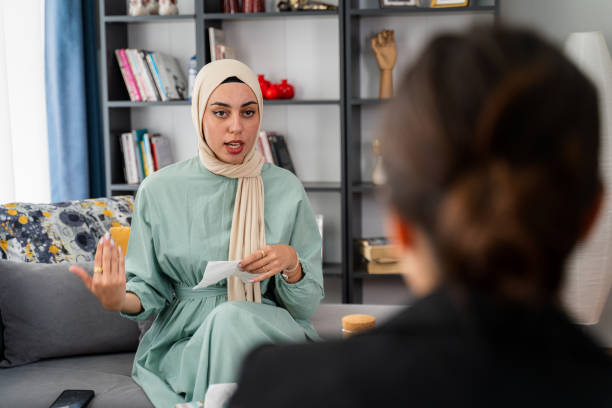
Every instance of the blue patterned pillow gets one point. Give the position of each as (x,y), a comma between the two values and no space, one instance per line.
(61,232)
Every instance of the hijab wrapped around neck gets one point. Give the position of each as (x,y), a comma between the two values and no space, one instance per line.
(248,227)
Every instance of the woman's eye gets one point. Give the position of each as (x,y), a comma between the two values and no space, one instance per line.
(249,113)
(220,114)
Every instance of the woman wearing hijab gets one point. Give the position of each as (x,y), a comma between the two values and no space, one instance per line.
(224,204)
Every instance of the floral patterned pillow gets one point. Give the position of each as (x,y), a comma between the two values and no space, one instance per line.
(61,232)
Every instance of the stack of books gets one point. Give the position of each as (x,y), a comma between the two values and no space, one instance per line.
(274,149)
(143,154)
(151,76)
(379,255)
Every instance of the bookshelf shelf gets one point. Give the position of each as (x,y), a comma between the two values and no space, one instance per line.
(149,19)
(332,270)
(367,101)
(272,102)
(270,14)
(417,10)
(318,186)
(364,275)
(129,104)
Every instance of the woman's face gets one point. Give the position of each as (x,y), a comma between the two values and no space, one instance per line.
(231,121)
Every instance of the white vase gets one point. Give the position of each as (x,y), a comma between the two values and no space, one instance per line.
(589,271)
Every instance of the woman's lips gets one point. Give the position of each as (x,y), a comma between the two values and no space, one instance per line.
(234,147)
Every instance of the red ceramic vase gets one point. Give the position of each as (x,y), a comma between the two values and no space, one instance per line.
(286,90)
(272,92)
(263,84)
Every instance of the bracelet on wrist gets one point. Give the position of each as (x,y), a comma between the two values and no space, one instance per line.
(286,272)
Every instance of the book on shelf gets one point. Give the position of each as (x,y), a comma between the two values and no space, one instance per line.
(143,154)
(162,153)
(151,76)
(378,249)
(273,147)
(264,146)
(380,255)
(282,153)
(156,77)
(218,49)
(128,76)
(383,268)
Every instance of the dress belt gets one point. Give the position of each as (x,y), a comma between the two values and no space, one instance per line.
(187,293)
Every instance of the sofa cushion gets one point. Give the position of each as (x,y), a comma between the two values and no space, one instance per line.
(61,232)
(47,312)
(39,384)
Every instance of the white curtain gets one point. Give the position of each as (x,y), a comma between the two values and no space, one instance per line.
(24,153)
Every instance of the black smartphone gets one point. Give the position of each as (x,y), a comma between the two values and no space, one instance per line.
(73,399)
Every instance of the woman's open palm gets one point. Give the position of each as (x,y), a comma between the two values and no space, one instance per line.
(108,281)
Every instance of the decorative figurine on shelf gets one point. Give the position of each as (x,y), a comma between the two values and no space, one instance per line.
(378,174)
(286,5)
(284,90)
(383,45)
(138,7)
(167,7)
(153,7)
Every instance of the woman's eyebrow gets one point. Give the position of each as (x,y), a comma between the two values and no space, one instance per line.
(227,105)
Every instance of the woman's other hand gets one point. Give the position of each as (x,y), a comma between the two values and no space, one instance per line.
(108,281)
(270,260)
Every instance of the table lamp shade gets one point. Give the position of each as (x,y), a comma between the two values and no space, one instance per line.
(589,270)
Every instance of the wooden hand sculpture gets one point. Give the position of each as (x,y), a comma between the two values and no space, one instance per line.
(383,45)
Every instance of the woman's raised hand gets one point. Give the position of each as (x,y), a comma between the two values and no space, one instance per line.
(108,281)
(269,261)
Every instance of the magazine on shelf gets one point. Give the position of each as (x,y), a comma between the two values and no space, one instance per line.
(128,76)
(280,151)
(127,147)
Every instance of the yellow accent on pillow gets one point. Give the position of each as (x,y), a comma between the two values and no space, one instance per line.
(121,235)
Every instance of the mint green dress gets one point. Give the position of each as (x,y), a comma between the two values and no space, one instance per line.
(182,220)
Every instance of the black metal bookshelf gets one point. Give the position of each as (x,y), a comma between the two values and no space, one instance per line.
(117,108)
(356,189)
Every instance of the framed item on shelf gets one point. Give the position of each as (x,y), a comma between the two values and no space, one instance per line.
(397,3)
(448,3)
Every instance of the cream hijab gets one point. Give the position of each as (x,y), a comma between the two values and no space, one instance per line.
(248,228)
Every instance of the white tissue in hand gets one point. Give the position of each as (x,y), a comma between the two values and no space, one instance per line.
(219,270)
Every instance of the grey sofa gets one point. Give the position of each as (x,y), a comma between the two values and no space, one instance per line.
(53,334)
(38,384)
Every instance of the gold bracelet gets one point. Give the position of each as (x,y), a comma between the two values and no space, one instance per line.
(286,272)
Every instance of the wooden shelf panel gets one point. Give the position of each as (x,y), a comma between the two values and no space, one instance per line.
(364,275)
(413,10)
(149,19)
(270,14)
(130,104)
